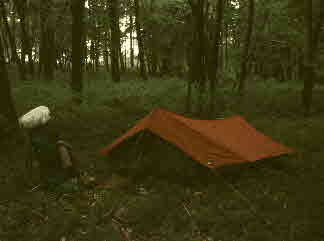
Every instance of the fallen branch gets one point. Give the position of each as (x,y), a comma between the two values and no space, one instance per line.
(185,207)
(34,188)
(193,222)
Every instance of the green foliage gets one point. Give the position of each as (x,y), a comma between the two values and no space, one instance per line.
(276,188)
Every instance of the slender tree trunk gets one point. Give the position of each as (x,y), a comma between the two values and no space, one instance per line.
(97,54)
(317,28)
(246,51)
(115,40)
(317,36)
(199,10)
(8,33)
(49,55)
(77,46)
(6,47)
(191,78)
(152,44)
(7,108)
(125,60)
(29,50)
(47,52)
(226,47)
(131,40)
(92,55)
(140,40)
(42,46)
(85,52)
(311,49)
(12,41)
(106,52)
(214,65)
(121,59)
(21,6)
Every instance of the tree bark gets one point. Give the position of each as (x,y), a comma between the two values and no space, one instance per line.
(317,33)
(47,54)
(246,50)
(77,47)
(226,47)
(121,58)
(6,47)
(131,24)
(12,41)
(140,40)
(21,6)
(106,52)
(7,108)
(214,65)
(311,45)
(92,56)
(191,75)
(199,10)
(115,40)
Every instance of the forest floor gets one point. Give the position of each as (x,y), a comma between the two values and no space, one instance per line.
(157,192)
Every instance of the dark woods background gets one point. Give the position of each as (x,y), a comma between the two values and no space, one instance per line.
(209,43)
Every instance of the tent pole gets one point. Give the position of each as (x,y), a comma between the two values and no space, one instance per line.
(141,152)
(138,139)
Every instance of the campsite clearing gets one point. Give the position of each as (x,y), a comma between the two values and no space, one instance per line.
(286,191)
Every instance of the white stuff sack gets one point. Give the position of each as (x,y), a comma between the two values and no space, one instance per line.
(35,117)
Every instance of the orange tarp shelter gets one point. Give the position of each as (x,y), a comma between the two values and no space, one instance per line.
(213,143)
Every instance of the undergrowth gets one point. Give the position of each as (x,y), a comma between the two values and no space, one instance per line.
(167,195)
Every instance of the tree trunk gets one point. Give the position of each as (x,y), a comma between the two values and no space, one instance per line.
(317,36)
(226,47)
(317,28)
(214,65)
(106,52)
(131,40)
(42,46)
(246,51)
(12,41)
(85,52)
(92,56)
(21,6)
(47,54)
(199,11)
(121,58)
(6,47)
(125,60)
(311,50)
(7,108)
(97,54)
(77,46)
(140,40)
(191,80)
(115,40)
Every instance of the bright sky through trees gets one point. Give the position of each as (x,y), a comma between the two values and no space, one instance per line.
(126,43)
